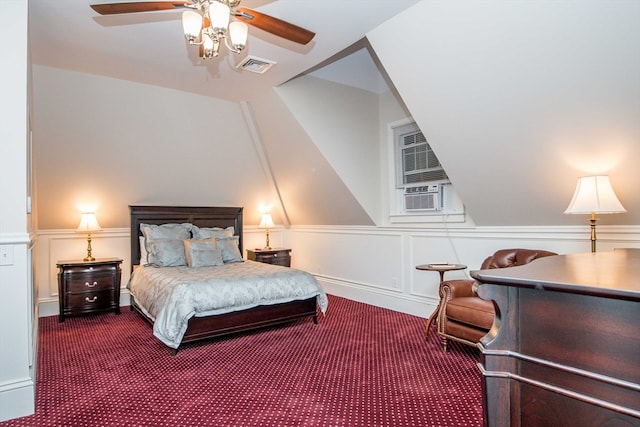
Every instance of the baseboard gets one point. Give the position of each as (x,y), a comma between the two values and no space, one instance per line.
(17,399)
(403,303)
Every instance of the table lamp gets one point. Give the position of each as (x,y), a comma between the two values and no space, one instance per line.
(88,223)
(267,223)
(594,195)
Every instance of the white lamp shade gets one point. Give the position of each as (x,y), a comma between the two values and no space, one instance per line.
(266,221)
(88,223)
(238,32)
(191,24)
(594,194)
(219,16)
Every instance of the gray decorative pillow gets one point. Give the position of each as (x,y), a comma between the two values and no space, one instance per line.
(229,248)
(164,243)
(215,232)
(165,253)
(166,231)
(202,253)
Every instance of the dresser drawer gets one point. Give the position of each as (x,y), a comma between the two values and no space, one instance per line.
(276,259)
(271,256)
(90,300)
(83,282)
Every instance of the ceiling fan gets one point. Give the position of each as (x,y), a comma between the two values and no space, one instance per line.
(206,22)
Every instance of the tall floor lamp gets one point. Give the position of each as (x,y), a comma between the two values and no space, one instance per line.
(594,195)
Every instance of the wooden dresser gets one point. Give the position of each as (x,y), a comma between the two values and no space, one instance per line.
(86,287)
(565,347)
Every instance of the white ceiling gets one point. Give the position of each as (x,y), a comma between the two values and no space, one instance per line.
(150,47)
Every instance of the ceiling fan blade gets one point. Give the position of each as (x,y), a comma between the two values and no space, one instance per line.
(274,25)
(132,7)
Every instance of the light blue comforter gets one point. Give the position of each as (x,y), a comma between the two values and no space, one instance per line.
(172,295)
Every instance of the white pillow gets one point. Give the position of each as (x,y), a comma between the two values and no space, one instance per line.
(143,252)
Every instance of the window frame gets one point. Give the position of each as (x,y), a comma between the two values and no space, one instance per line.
(397,213)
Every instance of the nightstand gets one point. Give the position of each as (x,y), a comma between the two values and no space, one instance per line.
(271,256)
(86,287)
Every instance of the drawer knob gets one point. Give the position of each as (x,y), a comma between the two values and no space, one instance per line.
(90,285)
(94,299)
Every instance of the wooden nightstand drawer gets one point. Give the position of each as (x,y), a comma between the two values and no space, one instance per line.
(88,287)
(276,259)
(271,256)
(90,300)
(84,282)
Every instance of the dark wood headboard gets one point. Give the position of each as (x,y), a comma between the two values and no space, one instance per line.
(201,216)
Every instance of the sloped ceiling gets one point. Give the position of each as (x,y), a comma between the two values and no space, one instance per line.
(518,99)
(150,48)
(311,191)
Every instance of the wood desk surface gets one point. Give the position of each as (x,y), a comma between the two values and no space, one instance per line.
(614,274)
(564,348)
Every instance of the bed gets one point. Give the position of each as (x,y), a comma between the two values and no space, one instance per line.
(199,322)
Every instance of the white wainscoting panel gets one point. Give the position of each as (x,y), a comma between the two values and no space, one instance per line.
(375,265)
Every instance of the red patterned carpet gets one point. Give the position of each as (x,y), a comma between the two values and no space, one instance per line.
(360,366)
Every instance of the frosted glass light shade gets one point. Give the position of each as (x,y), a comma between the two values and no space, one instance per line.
(207,42)
(191,24)
(594,194)
(238,32)
(219,16)
(88,223)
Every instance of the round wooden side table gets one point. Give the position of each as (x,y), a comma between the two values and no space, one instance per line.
(441,269)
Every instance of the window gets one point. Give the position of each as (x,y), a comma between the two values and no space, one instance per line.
(418,162)
(420,188)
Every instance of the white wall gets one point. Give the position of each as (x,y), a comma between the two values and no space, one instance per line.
(17,342)
(342,122)
(107,143)
(520,98)
(310,188)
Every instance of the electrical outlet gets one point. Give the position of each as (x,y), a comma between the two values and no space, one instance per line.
(6,255)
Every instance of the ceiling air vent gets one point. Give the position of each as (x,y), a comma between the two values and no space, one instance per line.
(255,64)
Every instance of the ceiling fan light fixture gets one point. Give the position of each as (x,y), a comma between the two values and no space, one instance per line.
(192,25)
(219,16)
(206,23)
(238,32)
(210,47)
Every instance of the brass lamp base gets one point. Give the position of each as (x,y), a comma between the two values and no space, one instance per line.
(267,247)
(89,257)
(593,232)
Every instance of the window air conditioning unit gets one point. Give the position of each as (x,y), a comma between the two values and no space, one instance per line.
(422,198)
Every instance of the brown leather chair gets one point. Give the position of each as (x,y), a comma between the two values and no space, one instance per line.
(465,317)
